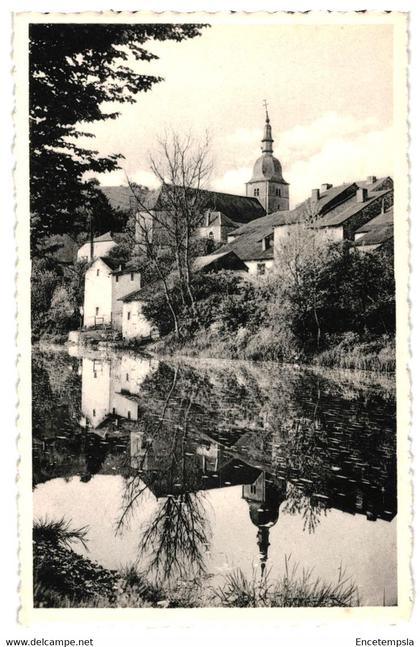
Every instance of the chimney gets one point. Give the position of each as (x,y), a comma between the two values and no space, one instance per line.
(325,187)
(361,195)
(315,195)
(371,179)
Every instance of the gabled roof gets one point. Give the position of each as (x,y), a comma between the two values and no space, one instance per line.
(376,185)
(109,262)
(104,238)
(238,208)
(386,218)
(216,260)
(247,243)
(337,217)
(376,236)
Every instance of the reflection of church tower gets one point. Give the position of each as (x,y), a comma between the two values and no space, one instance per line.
(267,182)
(264,500)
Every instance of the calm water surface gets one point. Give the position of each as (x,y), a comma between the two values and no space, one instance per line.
(192,468)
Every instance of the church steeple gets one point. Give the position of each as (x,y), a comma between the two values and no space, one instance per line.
(267,140)
(267,183)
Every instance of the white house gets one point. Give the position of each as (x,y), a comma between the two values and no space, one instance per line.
(102,245)
(134,323)
(105,283)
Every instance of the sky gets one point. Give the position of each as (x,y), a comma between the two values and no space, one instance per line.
(330,98)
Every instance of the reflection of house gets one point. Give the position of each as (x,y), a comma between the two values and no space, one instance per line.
(110,389)
(105,283)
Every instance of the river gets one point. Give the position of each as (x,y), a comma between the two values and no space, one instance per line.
(190,469)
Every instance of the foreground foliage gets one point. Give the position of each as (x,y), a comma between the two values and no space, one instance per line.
(62,578)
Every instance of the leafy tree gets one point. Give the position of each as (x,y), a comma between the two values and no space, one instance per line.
(74,69)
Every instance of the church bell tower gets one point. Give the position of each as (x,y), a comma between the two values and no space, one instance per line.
(267,182)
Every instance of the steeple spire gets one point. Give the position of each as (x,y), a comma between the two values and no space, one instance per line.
(267,140)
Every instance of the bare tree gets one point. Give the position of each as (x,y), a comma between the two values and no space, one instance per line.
(165,228)
(300,250)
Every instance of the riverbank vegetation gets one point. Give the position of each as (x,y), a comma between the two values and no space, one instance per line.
(62,578)
(331,306)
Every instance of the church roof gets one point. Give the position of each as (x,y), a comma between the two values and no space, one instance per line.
(267,167)
(238,208)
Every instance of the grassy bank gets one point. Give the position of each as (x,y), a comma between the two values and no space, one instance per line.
(348,352)
(62,578)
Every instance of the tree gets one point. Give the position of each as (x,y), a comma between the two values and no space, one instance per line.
(165,228)
(74,69)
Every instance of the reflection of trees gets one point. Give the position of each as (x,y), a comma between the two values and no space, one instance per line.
(299,503)
(176,538)
(177,534)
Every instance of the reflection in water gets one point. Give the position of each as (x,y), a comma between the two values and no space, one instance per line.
(297,442)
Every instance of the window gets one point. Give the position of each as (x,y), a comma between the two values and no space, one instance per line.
(97,272)
(113,411)
(96,311)
(117,278)
(260,268)
(211,235)
(253,489)
(129,415)
(94,412)
(132,276)
(256,192)
(128,316)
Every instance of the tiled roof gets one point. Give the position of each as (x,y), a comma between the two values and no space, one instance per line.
(377,236)
(386,218)
(214,259)
(238,208)
(247,244)
(337,217)
(374,186)
(112,264)
(103,238)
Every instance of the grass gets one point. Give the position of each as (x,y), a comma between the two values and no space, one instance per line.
(349,352)
(59,532)
(378,355)
(294,589)
(62,578)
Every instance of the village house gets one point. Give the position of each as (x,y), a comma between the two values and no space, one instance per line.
(136,326)
(101,246)
(336,213)
(377,233)
(106,281)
